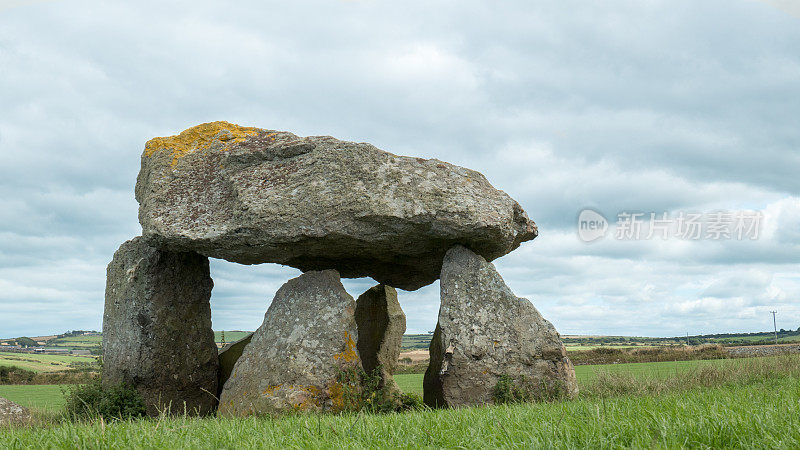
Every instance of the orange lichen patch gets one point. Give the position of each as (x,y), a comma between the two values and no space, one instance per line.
(270,390)
(310,400)
(336,394)
(349,354)
(201,136)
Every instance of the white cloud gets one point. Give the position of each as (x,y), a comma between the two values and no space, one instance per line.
(787,6)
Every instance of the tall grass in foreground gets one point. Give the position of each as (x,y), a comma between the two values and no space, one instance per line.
(747,404)
(739,372)
(761,415)
(611,355)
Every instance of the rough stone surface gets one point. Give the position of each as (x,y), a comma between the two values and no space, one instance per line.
(157,328)
(228,356)
(250,195)
(13,414)
(381,325)
(295,356)
(485,332)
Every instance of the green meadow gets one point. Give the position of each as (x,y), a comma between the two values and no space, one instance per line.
(45,363)
(44,398)
(764,414)
(587,373)
(734,403)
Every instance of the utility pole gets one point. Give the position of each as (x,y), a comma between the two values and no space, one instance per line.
(775,325)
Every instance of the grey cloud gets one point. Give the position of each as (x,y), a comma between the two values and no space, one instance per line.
(657,106)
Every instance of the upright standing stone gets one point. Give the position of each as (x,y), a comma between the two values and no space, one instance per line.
(295,359)
(381,324)
(228,356)
(486,332)
(157,333)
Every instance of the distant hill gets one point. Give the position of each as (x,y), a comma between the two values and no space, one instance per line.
(92,340)
(416,341)
(582,342)
(759,338)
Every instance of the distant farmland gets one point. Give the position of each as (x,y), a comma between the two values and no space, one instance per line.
(229,336)
(77,342)
(416,341)
(46,363)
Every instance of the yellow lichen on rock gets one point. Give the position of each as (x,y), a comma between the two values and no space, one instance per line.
(198,137)
(309,400)
(349,354)
(336,394)
(270,390)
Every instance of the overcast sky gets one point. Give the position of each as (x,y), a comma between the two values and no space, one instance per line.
(649,106)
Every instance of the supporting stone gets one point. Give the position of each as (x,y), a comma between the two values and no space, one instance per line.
(297,356)
(228,356)
(484,333)
(157,333)
(381,324)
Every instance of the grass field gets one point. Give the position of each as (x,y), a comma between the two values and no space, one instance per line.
(44,363)
(648,369)
(761,415)
(409,382)
(38,397)
(579,347)
(230,336)
(416,341)
(77,342)
(738,403)
(413,382)
(49,397)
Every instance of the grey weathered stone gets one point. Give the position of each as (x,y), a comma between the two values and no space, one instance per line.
(295,357)
(13,414)
(381,324)
(485,332)
(253,196)
(157,328)
(228,356)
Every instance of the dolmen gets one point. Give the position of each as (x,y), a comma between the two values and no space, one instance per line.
(332,209)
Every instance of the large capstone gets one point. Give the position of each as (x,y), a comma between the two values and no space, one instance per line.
(381,325)
(157,333)
(251,195)
(296,357)
(486,333)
